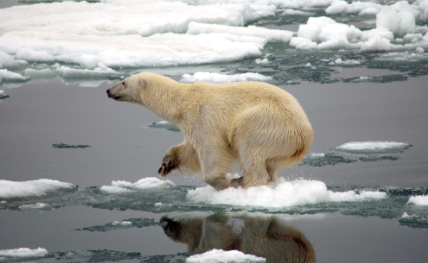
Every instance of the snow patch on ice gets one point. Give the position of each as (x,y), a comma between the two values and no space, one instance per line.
(218,255)
(418,200)
(221,78)
(373,147)
(36,206)
(118,187)
(268,34)
(40,187)
(23,252)
(6,75)
(281,193)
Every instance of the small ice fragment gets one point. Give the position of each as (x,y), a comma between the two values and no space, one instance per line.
(24,252)
(308,65)
(419,50)
(262,61)
(218,255)
(421,200)
(373,147)
(222,78)
(33,206)
(159,204)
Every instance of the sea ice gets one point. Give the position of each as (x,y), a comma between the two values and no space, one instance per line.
(419,200)
(6,75)
(281,193)
(23,252)
(218,256)
(164,125)
(221,78)
(270,35)
(40,187)
(36,206)
(373,147)
(118,187)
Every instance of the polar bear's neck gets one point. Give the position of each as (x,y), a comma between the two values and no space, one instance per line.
(162,96)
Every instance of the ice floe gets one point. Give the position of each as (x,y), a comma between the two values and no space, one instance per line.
(6,75)
(419,200)
(37,206)
(222,78)
(373,147)
(3,95)
(40,187)
(218,255)
(23,253)
(270,35)
(281,193)
(118,187)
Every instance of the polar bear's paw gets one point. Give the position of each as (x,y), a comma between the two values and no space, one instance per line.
(168,164)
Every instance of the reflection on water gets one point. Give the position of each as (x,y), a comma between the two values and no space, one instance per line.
(262,236)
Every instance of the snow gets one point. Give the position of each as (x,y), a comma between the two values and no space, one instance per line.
(281,193)
(118,187)
(292,12)
(221,78)
(421,200)
(40,187)
(271,35)
(373,147)
(34,206)
(11,76)
(218,255)
(23,252)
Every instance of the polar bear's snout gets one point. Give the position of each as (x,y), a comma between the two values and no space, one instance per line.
(113,94)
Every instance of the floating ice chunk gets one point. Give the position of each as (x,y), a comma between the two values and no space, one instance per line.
(302,43)
(398,22)
(143,184)
(40,187)
(279,194)
(373,147)
(418,200)
(218,256)
(31,55)
(292,12)
(340,7)
(339,61)
(413,37)
(7,61)
(381,32)
(6,75)
(122,223)
(23,252)
(268,34)
(376,43)
(36,206)
(313,27)
(3,95)
(221,78)
(419,50)
(261,61)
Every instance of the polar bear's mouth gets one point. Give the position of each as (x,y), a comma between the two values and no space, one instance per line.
(112,96)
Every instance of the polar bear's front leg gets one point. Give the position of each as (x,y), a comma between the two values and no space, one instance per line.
(182,156)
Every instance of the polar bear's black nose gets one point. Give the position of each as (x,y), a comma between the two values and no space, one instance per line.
(108,92)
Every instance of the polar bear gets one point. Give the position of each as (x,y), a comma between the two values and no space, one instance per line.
(256,125)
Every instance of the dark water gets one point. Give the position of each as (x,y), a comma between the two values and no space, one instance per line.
(126,143)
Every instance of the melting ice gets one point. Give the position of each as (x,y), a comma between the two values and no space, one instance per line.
(23,253)
(101,40)
(281,193)
(218,255)
(40,187)
(373,147)
(127,187)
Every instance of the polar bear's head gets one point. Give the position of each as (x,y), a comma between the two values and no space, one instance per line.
(128,90)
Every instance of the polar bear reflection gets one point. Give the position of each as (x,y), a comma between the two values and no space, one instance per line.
(265,237)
